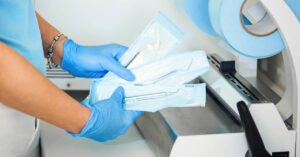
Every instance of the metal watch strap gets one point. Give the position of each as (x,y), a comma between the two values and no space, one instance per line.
(50,52)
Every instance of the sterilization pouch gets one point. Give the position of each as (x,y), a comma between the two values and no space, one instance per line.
(158,39)
(173,70)
(152,98)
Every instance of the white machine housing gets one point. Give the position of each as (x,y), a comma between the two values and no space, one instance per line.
(268,117)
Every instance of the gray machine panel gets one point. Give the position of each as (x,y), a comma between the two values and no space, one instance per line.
(161,129)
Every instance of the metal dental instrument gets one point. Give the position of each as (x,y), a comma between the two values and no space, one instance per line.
(150,96)
(133,58)
(168,74)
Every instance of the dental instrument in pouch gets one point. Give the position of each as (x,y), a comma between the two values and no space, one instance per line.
(152,47)
(133,58)
(168,74)
(149,96)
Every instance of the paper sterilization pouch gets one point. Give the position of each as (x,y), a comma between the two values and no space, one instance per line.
(173,70)
(158,39)
(152,98)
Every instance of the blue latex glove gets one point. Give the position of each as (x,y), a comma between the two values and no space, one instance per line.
(94,61)
(108,119)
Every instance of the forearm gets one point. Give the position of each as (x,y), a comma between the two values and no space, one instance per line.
(47,33)
(27,90)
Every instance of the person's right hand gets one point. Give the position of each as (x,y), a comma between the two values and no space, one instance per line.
(108,119)
(94,61)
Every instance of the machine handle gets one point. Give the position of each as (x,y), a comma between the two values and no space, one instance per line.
(255,143)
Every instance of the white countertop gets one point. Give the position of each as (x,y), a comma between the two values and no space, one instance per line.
(57,143)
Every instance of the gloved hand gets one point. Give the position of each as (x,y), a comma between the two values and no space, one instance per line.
(108,119)
(94,61)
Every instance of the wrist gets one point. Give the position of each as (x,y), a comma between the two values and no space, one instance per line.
(82,120)
(69,50)
(59,50)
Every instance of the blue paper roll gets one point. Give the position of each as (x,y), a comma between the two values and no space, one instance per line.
(227,17)
(295,6)
(222,18)
(197,10)
(214,7)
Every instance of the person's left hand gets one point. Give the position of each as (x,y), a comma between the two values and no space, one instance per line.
(94,61)
(109,119)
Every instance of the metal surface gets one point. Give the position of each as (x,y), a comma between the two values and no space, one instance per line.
(262,87)
(66,81)
(239,83)
(57,72)
(230,87)
(161,129)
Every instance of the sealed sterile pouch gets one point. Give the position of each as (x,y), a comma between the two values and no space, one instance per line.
(157,40)
(152,98)
(172,70)
(176,69)
(188,95)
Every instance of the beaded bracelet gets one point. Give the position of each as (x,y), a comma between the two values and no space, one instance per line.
(50,51)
